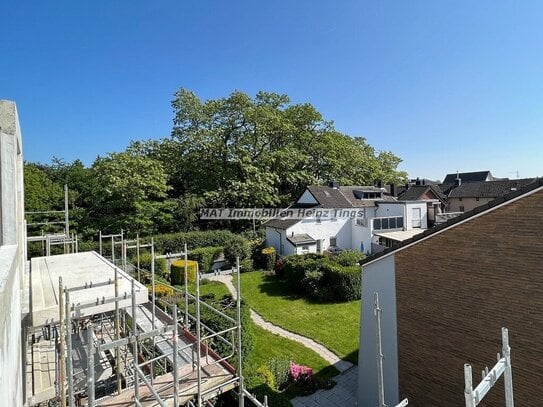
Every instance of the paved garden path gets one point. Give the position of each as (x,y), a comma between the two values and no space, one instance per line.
(325,353)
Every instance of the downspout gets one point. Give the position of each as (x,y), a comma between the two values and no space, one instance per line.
(280,241)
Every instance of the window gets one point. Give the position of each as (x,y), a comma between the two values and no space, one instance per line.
(333,241)
(460,199)
(461,209)
(385,223)
(360,222)
(377,224)
(305,248)
(394,222)
(476,198)
(399,223)
(415,218)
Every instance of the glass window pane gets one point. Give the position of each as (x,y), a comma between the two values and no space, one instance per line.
(384,223)
(377,224)
(399,222)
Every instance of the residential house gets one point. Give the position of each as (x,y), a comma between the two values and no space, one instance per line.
(444,296)
(454,179)
(330,218)
(469,195)
(430,193)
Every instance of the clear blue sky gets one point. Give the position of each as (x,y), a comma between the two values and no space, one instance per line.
(446,85)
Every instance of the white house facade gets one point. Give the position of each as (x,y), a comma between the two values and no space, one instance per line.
(330,218)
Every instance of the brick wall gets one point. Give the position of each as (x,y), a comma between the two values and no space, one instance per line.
(454,293)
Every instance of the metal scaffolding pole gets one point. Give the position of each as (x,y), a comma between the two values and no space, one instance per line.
(186,290)
(62,378)
(90,366)
(69,365)
(118,367)
(138,254)
(241,397)
(198,338)
(100,236)
(66,215)
(135,344)
(175,358)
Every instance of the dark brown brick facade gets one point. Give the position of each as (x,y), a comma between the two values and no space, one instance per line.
(456,290)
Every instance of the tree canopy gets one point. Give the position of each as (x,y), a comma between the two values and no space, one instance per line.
(236,151)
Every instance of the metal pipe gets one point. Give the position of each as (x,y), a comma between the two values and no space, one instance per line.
(508,373)
(66,213)
(380,357)
(186,290)
(175,357)
(138,255)
(62,329)
(468,389)
(149,386)
(100,242)
(117,332)
(90,366)
(153,300)
(135,344)
(69,365)
(241,398)
(198,339)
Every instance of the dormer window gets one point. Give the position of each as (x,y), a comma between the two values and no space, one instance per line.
(368,194)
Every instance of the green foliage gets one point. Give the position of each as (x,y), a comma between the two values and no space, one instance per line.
(177,272)
(323,278)
(264,374)
(236,247)
(246,265)
(161,267)
(280,370)
(41,193)
(174,242)
(205,256)
(349,257)
(268,258)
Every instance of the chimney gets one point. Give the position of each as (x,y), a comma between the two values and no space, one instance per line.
(457,182)
(379,183)
(417,181)
(423,181)
(334,184)
(392,189)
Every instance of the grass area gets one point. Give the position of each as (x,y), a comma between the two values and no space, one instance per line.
(335,325)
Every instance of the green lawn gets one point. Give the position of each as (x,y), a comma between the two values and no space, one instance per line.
(336,326)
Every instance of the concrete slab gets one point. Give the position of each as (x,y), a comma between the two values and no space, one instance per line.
(76,269)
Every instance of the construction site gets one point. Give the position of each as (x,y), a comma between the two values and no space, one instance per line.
(97,336)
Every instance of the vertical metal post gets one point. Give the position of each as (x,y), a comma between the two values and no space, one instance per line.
(198,337)
(135,345)
(379,348)
(468,389)
(62,330)
(124,255)
(175,358)
(153,301)
(112,249)
(76,244)
(90,366)
(138,255)
(117,334)
(100,236)
(69,364)
(66,212)
(186,289)
(241,397)
(508,373)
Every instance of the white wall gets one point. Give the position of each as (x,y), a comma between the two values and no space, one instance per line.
(380,277)
(340,228)
(12,248)
(307,198)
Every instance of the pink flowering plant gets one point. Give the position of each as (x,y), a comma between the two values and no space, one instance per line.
(300,374)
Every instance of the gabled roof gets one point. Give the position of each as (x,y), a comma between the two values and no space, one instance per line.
(469,177)
(488,189)
(538,183)
(415,191)
(328,197)
(279,223)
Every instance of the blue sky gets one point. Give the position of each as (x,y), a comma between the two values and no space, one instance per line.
(446,85)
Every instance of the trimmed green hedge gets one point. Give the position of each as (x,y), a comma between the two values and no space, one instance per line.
(174,242)
(177,272)
(205,256)
(161,267)
(322,278)
(268,258)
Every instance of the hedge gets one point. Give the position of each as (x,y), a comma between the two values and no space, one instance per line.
(161,267)
(177,272)
(321,278)
(205,256)
(174,242)
(268,258)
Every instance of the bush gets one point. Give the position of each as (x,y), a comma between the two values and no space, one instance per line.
(205,256)
(246,265)
(280,370)
(177,272)
(344,282)
(265,375)
(236,247)
(349,258)
(268,258)
(300,374)
(161,290)
(161,267)
(174,242)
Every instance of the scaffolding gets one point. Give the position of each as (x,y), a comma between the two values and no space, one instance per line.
(144,354)
(61,218)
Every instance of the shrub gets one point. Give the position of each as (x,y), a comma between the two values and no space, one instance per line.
(344,282)
(161,267)
(246,265)
(280,370)
(174,242)
(205,256)
(161,290)
(266,376)
(349,258)
(236,247)
(268,258)
(300,374)
(177,272)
